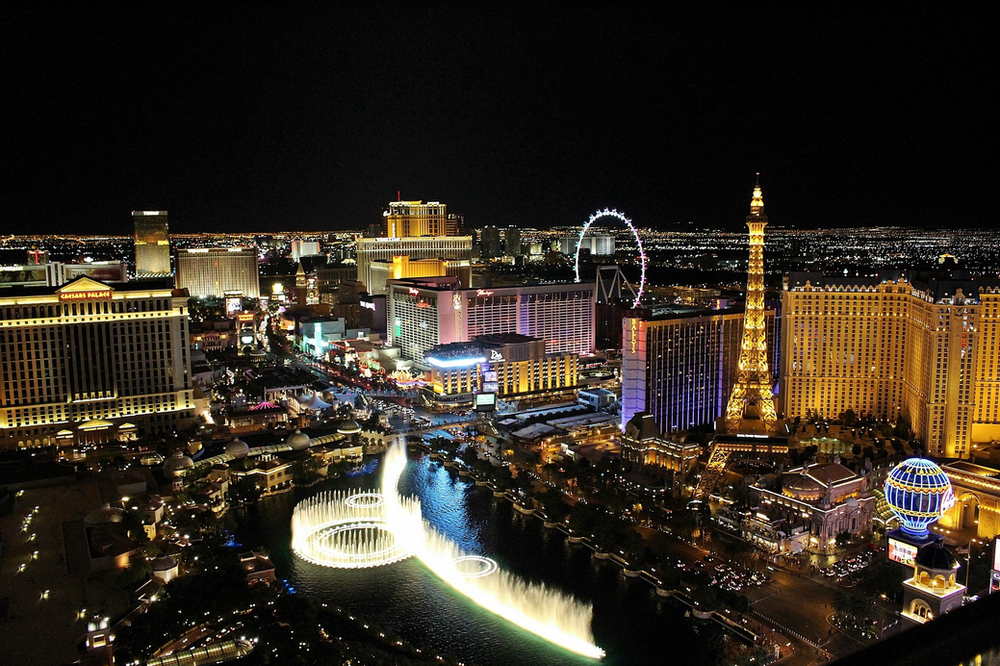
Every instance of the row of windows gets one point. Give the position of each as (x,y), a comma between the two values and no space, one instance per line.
(112,306)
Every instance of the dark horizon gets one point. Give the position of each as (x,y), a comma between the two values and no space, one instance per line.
(312,118)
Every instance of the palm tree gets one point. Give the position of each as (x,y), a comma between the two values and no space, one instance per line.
(842,604)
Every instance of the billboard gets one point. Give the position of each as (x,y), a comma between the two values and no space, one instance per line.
(486,402)
(490,383)
(902,552)
(16,275)
(996,553)
(234,305)
(105,272)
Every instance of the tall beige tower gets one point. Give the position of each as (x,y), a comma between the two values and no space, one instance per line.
(408,219)
(751,404)
(152,243)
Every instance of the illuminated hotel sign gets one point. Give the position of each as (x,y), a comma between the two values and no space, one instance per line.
(414,292)
(495,355)
(244,316)
(368,305)
(463,362)
(902,552)
(483,292)
(84,295)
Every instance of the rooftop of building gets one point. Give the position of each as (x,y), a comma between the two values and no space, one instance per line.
(451,283)
(206,250)
(975,469)
(583,421)
(829,473)
(146,284)
(938,286)
(642,426)
(534,431)
(688,312)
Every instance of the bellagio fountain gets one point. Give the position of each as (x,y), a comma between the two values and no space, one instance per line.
(348,530)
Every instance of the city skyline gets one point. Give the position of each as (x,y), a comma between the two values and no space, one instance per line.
(141,394)
(315,118)
(385,334)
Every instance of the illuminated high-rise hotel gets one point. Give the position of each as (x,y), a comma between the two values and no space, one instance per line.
(680,368)
(414,230)
(91,362)
(371,250)
(152,243)
(423,313)
(893,347)
(407,219)
(218,271)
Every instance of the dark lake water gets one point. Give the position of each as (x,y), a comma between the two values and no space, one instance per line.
(629,623)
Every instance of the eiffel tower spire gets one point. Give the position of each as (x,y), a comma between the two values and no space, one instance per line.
(753,394)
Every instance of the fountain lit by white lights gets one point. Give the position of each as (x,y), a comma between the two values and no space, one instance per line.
(358,530)
(346,531)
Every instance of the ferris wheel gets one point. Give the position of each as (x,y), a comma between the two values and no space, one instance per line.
(642,253)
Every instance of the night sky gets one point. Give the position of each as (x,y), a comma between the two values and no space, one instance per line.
(312,118)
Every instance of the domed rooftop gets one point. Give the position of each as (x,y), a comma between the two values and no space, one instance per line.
(803,487)
(164,563)
(105,514)
(348,427)
(936,556)
(237,448)
(298,441)
(177,464)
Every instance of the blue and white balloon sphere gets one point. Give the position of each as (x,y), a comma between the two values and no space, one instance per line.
(918,492)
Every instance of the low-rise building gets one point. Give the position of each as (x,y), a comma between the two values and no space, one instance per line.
(328,454)
(257,567)
(216,335)
(271,474)
(261,416)
(598,398)
(824,500)
(511,365)
(647,451)
(977,496)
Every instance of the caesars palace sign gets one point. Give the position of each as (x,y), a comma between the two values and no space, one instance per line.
(85,295)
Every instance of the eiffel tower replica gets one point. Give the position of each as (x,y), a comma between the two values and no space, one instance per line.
(751,403)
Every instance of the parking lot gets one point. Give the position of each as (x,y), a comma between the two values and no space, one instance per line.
(849,569)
